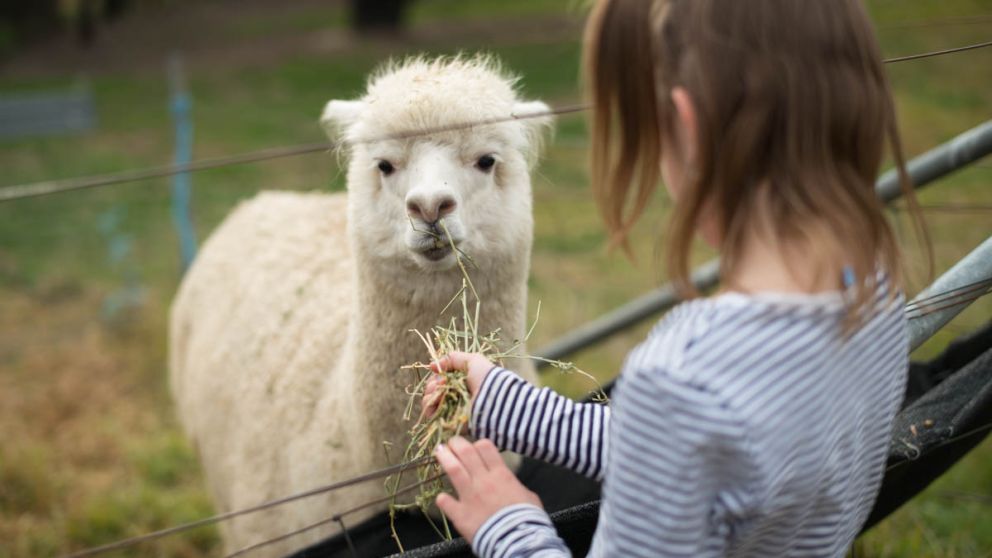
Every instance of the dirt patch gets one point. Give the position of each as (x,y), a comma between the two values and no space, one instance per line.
(86,426)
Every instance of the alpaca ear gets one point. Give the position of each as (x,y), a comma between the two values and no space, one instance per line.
(537,123)
(340,115)
(535,126)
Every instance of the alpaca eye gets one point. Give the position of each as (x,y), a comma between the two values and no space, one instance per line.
(386,168)
(485,163)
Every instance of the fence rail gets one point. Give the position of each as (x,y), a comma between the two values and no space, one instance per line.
(975,268)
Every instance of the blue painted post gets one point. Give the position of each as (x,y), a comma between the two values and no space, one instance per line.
(181,102)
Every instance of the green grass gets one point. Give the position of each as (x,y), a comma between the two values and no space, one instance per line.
(89,450)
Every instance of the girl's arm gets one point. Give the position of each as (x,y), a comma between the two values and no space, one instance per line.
(539,423)
(520,417)
(674,451)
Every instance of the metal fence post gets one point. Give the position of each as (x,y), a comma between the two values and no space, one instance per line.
(971,269)
(180,104)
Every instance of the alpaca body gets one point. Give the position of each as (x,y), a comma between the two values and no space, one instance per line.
(289,331)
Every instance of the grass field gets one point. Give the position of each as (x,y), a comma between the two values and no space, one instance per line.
(89,448)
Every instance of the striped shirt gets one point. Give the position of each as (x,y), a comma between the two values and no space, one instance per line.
(744,425)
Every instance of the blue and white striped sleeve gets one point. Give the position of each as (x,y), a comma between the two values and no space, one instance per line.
(541,424)
(519,530)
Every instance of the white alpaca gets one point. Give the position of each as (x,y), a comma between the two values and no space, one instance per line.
(288,331)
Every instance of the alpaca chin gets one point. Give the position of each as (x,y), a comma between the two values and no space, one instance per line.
(436,259)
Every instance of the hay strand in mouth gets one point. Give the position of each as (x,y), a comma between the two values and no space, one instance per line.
(453,398)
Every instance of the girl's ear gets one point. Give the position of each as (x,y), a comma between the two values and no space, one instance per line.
(535,126)
(340,115)
(687,131)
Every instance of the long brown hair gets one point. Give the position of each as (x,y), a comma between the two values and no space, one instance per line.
(793,110)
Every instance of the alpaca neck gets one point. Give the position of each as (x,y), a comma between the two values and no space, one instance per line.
(381,341)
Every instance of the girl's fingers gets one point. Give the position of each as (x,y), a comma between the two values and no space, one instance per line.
(432,394)
(441,365)
(468,455)
(434,381)
(429,403)
(448,505)
(489,453)
(435,403)
(456,472)
(452,361)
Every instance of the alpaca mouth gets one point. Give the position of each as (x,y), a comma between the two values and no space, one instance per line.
(436,253)
(435,247)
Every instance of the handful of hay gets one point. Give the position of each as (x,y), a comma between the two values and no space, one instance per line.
(453,397)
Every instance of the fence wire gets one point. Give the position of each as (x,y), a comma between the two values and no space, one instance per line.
(36,189)
(963,295)
(132,541)
(338,518)
(938,52)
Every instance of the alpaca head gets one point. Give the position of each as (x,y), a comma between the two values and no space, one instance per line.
(473,183)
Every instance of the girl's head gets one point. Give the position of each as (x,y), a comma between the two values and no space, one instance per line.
(766,117)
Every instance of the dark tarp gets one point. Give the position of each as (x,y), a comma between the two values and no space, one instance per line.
(947,412)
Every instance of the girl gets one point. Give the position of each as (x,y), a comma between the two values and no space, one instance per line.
(754,422)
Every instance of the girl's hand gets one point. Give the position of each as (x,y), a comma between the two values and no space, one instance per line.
(474,365)
(484,484)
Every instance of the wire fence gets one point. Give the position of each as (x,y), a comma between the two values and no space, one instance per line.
(337,518)
(132,541)
(922,307)
(952,298)
(938,52)
(37,189)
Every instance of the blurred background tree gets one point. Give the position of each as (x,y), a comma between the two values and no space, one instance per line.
(24,21)
(378,15)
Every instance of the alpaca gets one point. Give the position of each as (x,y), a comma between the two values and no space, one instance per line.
(289,330)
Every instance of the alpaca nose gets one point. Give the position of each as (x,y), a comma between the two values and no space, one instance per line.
(430,210)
